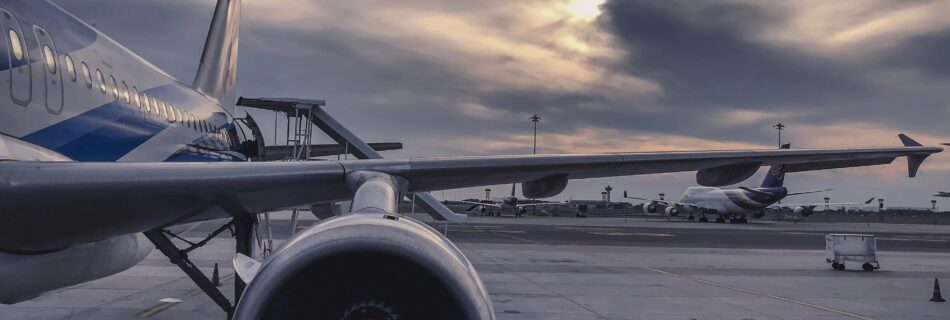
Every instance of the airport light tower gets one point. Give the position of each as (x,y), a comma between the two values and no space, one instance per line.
(535,119)
(779,127)
(608,189)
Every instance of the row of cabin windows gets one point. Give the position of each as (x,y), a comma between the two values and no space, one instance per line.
(150,105)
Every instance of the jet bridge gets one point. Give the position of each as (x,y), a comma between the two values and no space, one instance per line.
(298,132)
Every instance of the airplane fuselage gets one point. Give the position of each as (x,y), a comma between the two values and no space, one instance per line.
(733,201)
(72,90)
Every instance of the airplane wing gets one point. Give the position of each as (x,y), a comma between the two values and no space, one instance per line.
(48,205)
(807,192)
(818,204)
(539,204)
(481,203)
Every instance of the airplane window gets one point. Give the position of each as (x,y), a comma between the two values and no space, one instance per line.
(156,107)
(50,58)
(145,103)
(125,93)
(102,81)
(16,44)
(86,75)
(115,88)
(168,111)
(70,67)
(135,97)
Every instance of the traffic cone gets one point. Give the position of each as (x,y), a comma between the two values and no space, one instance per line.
(937,297)
(217,281)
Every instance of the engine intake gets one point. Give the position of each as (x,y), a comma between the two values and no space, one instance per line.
(366,266)
(651,208)
(804,211)
(672,211)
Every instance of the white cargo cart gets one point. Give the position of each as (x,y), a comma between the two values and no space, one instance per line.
(851,247)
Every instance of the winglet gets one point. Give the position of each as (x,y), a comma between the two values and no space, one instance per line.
(913,161)
(908,142)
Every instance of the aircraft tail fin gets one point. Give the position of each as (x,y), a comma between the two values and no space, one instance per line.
(776,175)
(217,70)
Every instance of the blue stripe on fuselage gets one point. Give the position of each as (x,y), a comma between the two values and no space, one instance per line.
(105,133)
(110,131)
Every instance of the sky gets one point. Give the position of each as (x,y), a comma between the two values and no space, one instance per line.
(458,77)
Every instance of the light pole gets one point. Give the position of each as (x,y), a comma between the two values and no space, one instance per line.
(779,127)
(535,119)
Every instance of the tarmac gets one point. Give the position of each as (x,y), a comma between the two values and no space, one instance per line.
(597,268)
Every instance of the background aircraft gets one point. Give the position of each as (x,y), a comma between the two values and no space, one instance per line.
(104,152)
(735,205)
(511,202)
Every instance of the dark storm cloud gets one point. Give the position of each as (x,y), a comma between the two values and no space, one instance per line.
(712,63)
(929,54)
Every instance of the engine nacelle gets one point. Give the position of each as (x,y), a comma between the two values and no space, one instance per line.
(25,276)
(804,211)
(651,208)
(366,266)
(672,211)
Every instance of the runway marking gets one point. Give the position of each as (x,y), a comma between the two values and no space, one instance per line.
(488,227)
(643,234)
(776,297)
(589,229)
(519,238)
(222,280)
(161,306)
(911,239)
(508,231)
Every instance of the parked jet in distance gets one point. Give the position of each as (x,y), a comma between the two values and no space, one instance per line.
(943,194)
(497,205)
(103,152)
(735,205)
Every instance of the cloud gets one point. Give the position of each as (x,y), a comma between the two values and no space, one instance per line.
(462,77)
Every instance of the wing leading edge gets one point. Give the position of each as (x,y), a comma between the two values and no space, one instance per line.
(48,205)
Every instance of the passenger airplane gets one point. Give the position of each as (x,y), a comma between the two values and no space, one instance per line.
(735,205)
(507,203)
(103,152)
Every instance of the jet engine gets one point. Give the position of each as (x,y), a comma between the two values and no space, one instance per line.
(651,208)
(366,266)
(672,211)
(804,211)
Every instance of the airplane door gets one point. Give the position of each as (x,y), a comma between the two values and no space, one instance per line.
(19,82)
(54,76)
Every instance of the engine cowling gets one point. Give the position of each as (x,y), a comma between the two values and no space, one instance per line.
(27,275)
(366,266)
(651,208)
(672,211)
(804,211)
